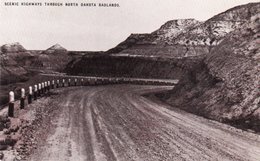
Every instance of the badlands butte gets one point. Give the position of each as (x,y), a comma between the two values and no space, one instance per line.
(215,61)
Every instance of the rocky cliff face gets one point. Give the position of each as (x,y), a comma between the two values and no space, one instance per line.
(236,62)
(172,29)
(214,30)
(225,85)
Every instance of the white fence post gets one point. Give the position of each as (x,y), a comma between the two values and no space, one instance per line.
(63,82)
(43,88)
(30,95)
(11,104)
(46,87)
(39,89)
(52,84)
(82,82)
(58,82)
(22,98)
(49,84)
(35,92)
(75,82)
(69,82)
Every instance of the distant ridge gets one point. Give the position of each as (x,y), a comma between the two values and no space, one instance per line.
(56,47)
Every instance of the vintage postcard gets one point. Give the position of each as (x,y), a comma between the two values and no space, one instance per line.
(130,80)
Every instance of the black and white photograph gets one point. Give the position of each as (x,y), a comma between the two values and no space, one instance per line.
(129,80)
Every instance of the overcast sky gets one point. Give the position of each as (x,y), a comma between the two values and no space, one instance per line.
(97,28)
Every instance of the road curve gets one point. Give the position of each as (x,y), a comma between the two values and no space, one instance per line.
(116,123)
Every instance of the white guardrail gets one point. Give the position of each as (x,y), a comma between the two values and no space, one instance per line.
(43,88)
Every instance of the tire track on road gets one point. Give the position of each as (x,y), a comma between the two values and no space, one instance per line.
(116,123)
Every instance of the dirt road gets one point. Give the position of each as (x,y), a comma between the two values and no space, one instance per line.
(117,123)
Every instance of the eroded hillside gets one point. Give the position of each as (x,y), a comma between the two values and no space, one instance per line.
(225,85)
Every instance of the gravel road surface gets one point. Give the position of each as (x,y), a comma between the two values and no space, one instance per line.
(115,122)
